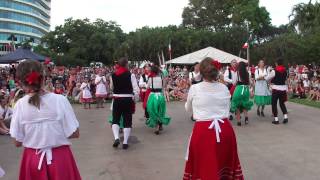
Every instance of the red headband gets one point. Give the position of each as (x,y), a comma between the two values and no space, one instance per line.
(216,64)
(33,78)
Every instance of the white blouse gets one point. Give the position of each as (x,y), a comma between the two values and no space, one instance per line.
(155,82)
(100,80)
(208,101)
(85,87)
(261,73)
(47,127)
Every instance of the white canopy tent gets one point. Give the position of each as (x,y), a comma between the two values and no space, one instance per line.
(216,54)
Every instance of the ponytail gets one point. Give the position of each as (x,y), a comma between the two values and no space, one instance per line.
(35,99)
(31,74)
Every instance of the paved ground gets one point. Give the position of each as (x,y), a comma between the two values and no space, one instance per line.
(267,152)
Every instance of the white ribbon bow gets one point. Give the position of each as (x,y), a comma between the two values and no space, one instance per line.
(44,152)
(216,126)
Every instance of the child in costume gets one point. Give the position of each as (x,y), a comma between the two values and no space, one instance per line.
(101,89)
(86,96)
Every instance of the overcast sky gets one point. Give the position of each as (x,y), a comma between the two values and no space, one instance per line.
(132,14)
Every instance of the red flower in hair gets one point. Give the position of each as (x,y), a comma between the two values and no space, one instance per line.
(216,64)
(33,78)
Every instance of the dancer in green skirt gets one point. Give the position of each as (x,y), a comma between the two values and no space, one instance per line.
(262,94)
(241,96)
(156,104)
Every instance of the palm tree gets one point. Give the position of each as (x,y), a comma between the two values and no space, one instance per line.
(305,17)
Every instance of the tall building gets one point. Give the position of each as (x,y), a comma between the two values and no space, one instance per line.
(22,20)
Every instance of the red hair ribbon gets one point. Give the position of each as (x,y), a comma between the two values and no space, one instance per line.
(216,64)
(281,69)
(33,78)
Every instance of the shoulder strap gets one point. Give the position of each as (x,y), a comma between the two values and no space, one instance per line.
(151,82)
(161,80)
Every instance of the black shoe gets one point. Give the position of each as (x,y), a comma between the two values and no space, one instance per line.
(125,146)
(246,120)
(275,122)
(238,123)
(285,121)
(116,143)
(157,132)
(230,117)
(262,114)
(258,112)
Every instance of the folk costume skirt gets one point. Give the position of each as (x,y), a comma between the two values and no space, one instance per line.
(209,160)
(156,108)
(241,99)
(63,165)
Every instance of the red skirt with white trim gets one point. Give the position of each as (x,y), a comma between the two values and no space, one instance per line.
(209,160)
(63,165)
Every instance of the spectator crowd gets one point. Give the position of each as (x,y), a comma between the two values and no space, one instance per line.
(303,82)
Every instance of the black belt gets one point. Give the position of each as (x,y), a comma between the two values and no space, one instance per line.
(156,90)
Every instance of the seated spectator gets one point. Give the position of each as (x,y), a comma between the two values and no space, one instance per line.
(314,93)
(300,90)
(306,85)
(4,130)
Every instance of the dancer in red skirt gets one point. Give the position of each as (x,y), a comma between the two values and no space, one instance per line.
(212,152)
(43,123)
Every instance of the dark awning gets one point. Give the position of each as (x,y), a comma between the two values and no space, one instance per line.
(20,54)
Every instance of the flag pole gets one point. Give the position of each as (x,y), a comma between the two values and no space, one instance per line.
(248,55)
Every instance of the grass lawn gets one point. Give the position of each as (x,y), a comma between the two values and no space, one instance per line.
(305,102)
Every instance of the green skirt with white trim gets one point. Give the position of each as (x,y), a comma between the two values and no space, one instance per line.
(156,107)
(241,99)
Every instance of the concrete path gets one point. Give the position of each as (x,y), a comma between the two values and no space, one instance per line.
(267,152)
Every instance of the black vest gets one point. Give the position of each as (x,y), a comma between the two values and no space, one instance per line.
(280,78)
(144,77)
(122,83)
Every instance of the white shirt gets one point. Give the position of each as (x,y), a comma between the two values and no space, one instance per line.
(306,83)
(2,113)
(85,87)
(261,73)
(142,83)
(195,76)
(100,79)
(157,82)
(47,127)
(208,101)
(234,77)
